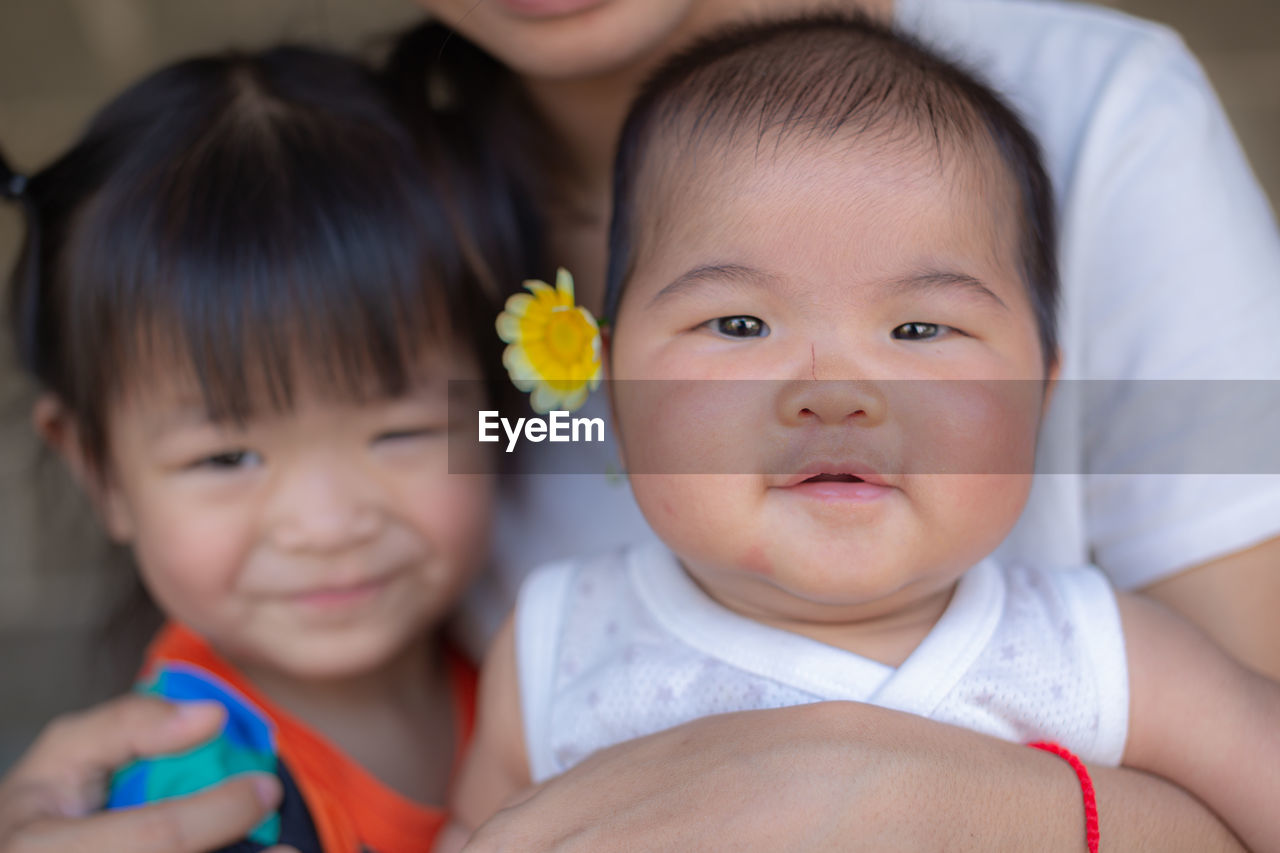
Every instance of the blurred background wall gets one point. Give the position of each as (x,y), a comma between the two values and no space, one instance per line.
(60,59)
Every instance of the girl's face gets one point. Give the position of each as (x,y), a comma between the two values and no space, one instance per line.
(317,543)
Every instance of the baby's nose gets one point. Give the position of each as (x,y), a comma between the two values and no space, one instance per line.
(831,402)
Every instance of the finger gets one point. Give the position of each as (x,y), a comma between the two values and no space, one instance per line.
(522,796)
(196,824)
(118,731)
(508,825)
(68,766)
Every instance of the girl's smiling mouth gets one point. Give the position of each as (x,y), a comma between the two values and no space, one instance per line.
(338,597)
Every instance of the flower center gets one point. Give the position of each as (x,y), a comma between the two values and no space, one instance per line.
(567,335)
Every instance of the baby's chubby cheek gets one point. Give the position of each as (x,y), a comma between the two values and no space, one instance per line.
(964,426)
(971,512)
(696,452)
(695,426)
(969,455)
(701,517)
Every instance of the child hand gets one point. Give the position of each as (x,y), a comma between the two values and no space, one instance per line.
(48,799)
(451,839)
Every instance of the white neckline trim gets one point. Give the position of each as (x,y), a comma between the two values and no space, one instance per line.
(948,652)
(928,674)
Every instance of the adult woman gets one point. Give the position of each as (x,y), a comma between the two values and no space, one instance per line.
(1156,203)
(1152,192)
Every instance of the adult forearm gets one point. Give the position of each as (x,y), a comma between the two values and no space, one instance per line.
(842,776)
(1138,812)
(1001,796)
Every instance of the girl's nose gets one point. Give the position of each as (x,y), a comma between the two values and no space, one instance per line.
(324,509)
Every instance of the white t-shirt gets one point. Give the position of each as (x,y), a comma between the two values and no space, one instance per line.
(625,644)
(1170,262)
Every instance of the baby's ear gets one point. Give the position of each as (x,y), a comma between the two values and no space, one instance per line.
(611,389)
(1052,373)
(56,425)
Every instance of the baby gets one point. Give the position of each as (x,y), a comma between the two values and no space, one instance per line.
(856,239)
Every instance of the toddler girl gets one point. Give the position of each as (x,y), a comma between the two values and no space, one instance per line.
(245,295)
(832,270)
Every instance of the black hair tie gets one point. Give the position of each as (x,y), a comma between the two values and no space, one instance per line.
(16,187)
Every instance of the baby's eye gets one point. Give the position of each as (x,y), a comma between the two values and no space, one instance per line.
(919,331)
(230,460)
(741,326)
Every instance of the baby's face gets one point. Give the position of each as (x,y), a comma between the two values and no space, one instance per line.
(316,543)
(881,384)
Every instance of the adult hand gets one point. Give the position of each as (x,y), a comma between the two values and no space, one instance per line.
(839,776)
(49,799)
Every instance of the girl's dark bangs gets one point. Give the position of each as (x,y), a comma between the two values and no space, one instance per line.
(278,247)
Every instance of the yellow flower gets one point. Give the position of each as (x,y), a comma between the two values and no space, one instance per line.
(554,345)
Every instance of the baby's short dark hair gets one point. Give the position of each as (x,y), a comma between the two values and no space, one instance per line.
(820,77)
(256,216)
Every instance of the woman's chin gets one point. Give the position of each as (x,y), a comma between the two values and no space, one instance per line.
(565,39)
(546,10)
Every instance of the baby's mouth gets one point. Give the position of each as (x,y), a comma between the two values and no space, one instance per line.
(838,482)
(835,473)
(833,478)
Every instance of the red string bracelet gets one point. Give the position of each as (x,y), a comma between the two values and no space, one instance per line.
(1086,788)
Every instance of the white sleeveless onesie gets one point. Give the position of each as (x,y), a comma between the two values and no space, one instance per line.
(626,644)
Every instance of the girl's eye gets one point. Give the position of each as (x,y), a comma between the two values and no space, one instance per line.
(919,331)
(410,434)
(230,460)
(741,326)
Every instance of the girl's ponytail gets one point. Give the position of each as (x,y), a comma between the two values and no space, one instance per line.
(468,113)
(13,185)
(432,69)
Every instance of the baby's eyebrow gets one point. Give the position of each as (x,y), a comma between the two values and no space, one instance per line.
(739,275)
(731,274)
(942,281)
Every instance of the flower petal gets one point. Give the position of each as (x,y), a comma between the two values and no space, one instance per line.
(539,289)
(521,371)
(543,399)
(508,326)
(564,285)
(517,304)
(573,401)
